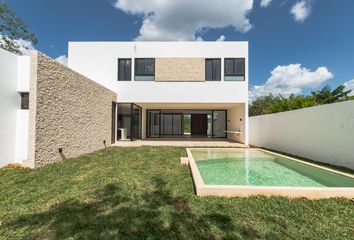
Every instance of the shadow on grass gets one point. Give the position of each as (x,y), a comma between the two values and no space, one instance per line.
(156,214)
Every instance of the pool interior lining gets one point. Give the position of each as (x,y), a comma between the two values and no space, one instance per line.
(334,190)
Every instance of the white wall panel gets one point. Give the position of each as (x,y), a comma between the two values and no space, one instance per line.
(323,133)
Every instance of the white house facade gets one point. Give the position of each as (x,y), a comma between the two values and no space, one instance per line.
(171,89)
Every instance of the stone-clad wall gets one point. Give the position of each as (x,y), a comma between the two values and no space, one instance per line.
(69,111)
(180,69)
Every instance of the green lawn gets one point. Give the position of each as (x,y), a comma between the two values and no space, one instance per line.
(144,193)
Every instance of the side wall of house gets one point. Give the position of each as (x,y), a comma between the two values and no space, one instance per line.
(324,133)
(23,79)
(67,111)
(9,104)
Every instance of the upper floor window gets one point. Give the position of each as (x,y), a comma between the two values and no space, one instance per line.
(144,69)
(124,69)
(234,69)
(212,69)
(25,100)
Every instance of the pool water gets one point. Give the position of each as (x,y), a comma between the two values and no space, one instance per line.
(254,167)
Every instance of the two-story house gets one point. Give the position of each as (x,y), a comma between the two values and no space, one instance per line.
(171,89)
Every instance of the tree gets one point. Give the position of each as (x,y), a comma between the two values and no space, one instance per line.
(13,28)
(261,105)
(294,102)
(326,96)
(270,104)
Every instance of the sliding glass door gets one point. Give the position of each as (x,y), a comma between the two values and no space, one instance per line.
(219,123)
(135,122)
(123,121)
(186,123)
(177,124)
(163,124)
(153,123)
(171,124)
(128,121)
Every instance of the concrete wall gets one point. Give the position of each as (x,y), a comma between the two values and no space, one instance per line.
(236,121)
(99,62)
(67,110)
(324,133)
(21,136)
(23,76)
(14,79)
(180,69)
(22,121)
(9,103)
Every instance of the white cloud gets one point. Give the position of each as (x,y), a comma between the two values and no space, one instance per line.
(349,86)
(265,3)
(199,39)
(221,38)
(289,79)
(301,10)
(184,19)
(63,59)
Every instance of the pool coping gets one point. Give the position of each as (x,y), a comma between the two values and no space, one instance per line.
(246,191)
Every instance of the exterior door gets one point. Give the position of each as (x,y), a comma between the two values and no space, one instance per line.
(153,123)
(199,124)
(172,124)
(135,122)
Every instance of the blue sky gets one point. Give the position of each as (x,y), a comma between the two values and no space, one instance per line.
(319,34)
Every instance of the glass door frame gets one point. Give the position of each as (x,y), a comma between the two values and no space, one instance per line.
(172,126)
(186,112)
(212,122)
(131,120)
(132,138)
(148,130)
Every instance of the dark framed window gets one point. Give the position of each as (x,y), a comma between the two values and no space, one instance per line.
(124,69)
(234,69)
(24,100)
(213,69)
(144,69)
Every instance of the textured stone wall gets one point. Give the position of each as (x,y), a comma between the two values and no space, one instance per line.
(69,111)
(32,112)
(180,69)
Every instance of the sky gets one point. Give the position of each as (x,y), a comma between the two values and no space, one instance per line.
(295,46)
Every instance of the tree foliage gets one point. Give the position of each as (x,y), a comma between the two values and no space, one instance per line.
(13,28)
(326,96)
(273,104)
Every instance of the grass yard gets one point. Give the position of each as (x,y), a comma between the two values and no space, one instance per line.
(144,193)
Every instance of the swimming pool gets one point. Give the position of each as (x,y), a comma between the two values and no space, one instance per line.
(248,171)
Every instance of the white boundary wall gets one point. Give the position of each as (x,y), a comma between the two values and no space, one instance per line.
(323,133)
